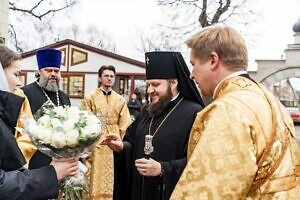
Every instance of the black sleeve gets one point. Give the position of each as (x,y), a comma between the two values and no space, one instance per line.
(122,169)
(171,174)
(65,99)
(28,184)
(173,169)
(39,160)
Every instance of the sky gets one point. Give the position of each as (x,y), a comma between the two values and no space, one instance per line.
(269,37)
(275,29)
(120,18)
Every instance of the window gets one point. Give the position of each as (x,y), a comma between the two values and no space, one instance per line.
(78,56)
(73,85)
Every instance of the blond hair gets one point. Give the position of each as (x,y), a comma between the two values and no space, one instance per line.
(223,40)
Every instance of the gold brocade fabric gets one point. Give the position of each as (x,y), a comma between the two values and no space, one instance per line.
(23,140)
(240,148)
(114,113)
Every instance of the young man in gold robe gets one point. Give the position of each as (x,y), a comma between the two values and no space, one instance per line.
(242,145)
(113,112)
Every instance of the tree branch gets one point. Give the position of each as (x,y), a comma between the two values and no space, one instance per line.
(31,12)
(203,15)
(15,39)
(220,11)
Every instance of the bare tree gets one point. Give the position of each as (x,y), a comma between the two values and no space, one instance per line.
(32,15)
(158,40)
(37,8)
(91,36)
(186,16)
(207,12)
(39,24)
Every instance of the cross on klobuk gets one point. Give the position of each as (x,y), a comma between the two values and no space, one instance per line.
(147,61)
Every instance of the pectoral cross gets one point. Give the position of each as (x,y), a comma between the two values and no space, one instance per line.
(148,149)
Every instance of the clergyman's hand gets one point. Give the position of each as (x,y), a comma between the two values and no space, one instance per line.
(65,167)
(113,142)
(148,167)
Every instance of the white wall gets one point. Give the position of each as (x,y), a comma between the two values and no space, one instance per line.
(76,102)
(30,77)
(91,83)
(96,60)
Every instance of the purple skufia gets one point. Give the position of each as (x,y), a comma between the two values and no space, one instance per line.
(48,58)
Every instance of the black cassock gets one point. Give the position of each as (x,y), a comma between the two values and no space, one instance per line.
(170,149)
(16,182)
(36,99)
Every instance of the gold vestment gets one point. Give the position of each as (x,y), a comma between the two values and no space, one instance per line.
(242,146)
(113,112)
(23,140)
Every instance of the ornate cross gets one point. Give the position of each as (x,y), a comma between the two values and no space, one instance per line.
(148,149)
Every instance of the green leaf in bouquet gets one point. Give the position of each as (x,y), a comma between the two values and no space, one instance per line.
(48,105)
(84,140)
(80,124)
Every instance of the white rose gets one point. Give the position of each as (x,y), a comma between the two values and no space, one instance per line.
(56,123)
(72,137)
(45,120)
(44,134)
(91,130)
(33,131)
(60,111)
(29,123)
(73,113)
(58,140)
(92,119)
(97,127)
(68,125)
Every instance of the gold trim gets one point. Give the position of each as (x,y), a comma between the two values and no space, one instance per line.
(265,171)
(281,184)
(297,170)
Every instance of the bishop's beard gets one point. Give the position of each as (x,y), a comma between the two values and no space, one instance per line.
(51,87)
(156,109)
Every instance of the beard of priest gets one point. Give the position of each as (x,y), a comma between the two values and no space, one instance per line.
(45,81)
(156,108)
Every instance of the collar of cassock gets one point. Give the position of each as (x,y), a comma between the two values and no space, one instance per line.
(106,93)
(173,102)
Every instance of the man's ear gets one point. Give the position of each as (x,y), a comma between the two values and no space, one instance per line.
(214,60)
(37,74)
(174,83)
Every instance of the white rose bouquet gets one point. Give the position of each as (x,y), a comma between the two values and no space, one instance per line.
(64,132)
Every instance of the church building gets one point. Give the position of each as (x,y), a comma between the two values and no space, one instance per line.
(79,69)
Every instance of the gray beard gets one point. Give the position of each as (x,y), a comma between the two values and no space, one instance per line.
(51,87)
(156,109)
